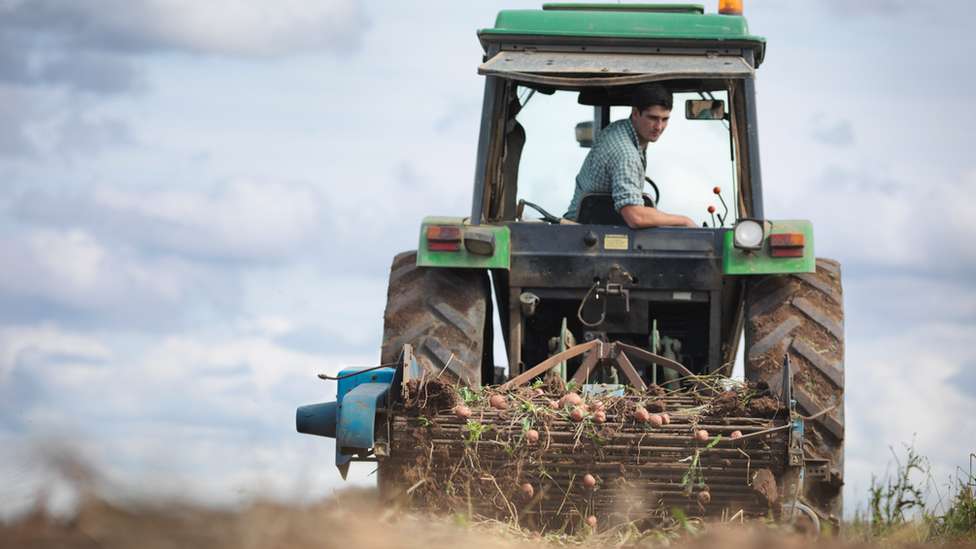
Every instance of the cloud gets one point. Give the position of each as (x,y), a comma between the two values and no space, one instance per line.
(837,134)
(318,341)
(24,345)
(91,72)
(73,276)
(145,258)
(241,221)
(964,380)
(15,116)
(182,417)
(888,224)
(914,385)
(859,8)
(247,28)
(54,53)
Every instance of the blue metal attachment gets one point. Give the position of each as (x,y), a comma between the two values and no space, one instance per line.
(318,419)
(358,417)
(351,419)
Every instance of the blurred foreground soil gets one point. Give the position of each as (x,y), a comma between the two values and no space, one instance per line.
(349,521)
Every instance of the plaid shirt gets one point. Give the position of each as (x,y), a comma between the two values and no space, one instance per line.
(616,164)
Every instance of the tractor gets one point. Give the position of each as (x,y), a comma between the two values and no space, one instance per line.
(626,318)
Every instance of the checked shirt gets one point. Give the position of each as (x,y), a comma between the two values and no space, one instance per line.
(616,164)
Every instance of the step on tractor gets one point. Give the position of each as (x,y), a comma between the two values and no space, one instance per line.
(617,404)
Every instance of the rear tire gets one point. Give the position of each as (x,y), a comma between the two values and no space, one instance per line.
(444,314)
(803,314)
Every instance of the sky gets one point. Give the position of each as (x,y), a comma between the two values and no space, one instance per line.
(199,203)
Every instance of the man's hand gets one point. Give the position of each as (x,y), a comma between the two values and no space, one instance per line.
(641,216)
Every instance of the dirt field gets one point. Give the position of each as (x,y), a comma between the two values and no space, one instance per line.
(348,520)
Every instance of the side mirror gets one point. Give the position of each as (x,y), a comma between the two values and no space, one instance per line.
(705,109)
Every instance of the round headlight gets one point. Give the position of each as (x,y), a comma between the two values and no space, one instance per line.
(748,234)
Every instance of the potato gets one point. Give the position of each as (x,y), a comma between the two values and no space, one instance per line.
(589,481)
(527,491)
(538,391)
(704,497)
(600,417)
(641,415)
(665,419)
(532,435)
(570,398)
(577,414)
(735,434)
(463,413)
(591,520)
(598,405)
(702,435)
(553,405)
(655,420)
(498,402)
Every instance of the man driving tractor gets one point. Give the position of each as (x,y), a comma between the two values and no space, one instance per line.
(618,160)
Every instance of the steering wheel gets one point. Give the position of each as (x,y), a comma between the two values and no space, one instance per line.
(657,192)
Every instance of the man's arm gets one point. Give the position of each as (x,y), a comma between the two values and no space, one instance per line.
(642,216)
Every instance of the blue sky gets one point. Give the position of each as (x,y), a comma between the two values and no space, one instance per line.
(199,203)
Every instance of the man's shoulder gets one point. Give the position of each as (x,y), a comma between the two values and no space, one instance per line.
(623,126)
(620,136)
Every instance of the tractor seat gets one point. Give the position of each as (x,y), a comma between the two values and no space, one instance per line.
(597,209)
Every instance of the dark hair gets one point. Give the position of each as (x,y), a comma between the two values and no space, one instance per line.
(648,95)
(716,104)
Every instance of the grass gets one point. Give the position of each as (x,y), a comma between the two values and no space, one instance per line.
(900,510)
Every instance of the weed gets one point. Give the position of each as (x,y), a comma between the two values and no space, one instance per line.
(891,497)
(474,430)
(693,474)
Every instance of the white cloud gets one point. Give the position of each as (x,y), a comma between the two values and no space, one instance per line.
(900,391)
(20,345)
(210,419)
(258,28)
(73,275)
(241,220)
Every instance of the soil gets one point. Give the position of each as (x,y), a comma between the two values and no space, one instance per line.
(554,385)
(654,390)
(764,487)
(655,407)
(433,395)
(766,407)
(726,404)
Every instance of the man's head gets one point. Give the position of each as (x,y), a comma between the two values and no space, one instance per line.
(718,109)
(651,109)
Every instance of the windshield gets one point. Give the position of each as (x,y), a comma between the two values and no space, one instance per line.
(688,161)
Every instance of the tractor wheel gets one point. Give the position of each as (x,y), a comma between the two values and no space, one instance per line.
(445,315)
(803,315)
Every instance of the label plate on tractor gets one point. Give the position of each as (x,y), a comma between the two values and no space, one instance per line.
(615,242)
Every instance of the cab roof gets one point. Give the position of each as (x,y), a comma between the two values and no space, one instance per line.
(635,25)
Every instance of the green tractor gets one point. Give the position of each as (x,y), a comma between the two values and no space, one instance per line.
(645,316)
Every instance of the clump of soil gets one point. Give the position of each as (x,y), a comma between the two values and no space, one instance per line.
(432,394)
(654,390)
(765,407)
(758,388)
(728,403)
(655,407)
(554,385)
(621,408)
(764,487)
